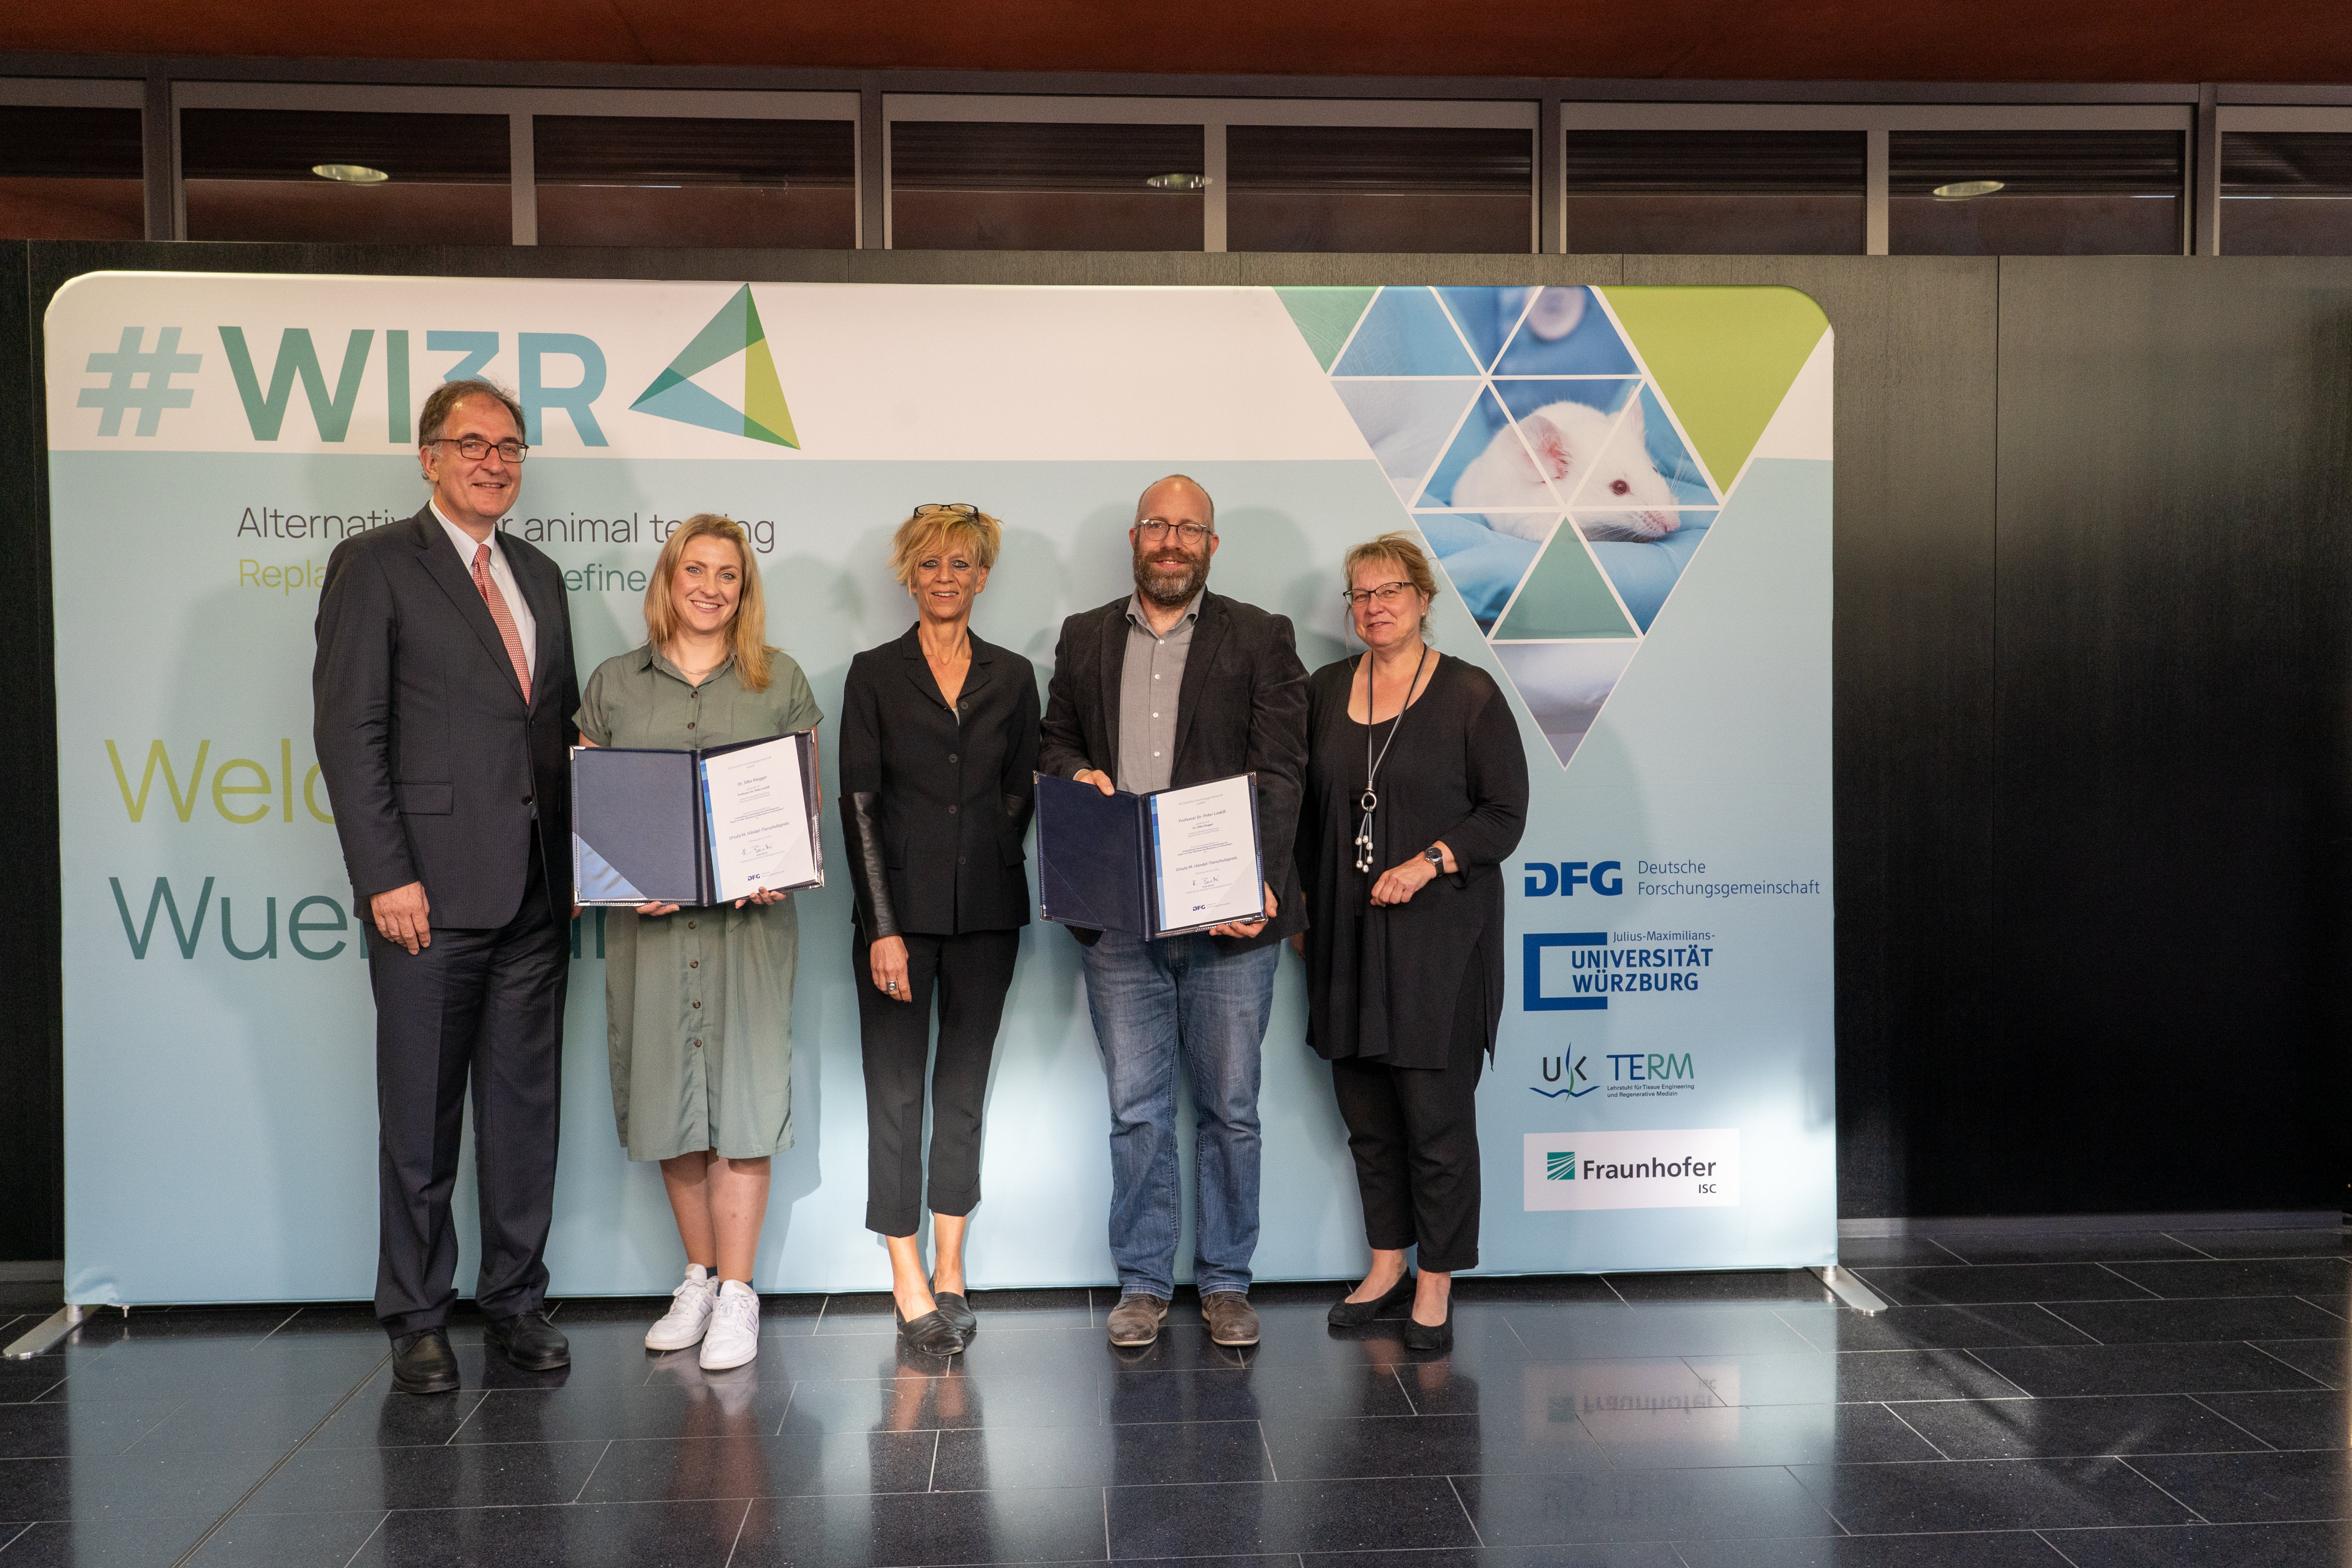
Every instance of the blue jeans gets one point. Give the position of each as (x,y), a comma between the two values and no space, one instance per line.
(1153,1001)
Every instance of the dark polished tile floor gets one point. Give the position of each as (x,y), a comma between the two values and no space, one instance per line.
(2136,1398)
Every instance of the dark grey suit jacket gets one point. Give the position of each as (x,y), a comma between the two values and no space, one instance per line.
(438,770)
(1241,709)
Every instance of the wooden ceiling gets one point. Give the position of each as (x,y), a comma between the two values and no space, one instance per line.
(1792,40)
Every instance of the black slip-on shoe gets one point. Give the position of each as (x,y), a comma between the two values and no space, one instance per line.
(528,1340)
(957,1311)
(930,1332)
(1347,1314)
(1421,1336)
(423,1362)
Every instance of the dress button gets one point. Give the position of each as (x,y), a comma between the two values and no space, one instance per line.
(698,1043)
(951,810)
(526,800)
(961,861)
(952,756)
(690,925)
(694,963)
(697,1004)
(689,723)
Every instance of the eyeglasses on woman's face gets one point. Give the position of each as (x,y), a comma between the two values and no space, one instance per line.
(1384,593)
(474,448)
(1152,529)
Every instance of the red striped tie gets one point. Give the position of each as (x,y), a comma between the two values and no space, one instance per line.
(502,614)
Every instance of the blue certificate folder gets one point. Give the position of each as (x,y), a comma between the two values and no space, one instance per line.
(1098,858)
(641,826)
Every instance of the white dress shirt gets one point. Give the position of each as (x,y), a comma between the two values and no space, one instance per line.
(503,575)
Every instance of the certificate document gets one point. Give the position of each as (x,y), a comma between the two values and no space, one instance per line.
(756,800)
(1204,840)
(1151,866)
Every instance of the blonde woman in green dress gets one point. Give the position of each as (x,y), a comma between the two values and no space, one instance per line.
(698,1002)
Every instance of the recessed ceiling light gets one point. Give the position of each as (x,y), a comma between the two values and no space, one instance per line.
(349,173)
(1177,181)
(1968,190)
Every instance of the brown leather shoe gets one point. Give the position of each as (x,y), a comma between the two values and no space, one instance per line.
(1232,1320)
(1136,1320)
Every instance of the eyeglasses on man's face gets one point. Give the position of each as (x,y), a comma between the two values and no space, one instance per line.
(1151,530)
(1385,594)
(474,448)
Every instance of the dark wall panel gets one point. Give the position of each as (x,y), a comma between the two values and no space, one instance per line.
(1913,702)
(2170,781)
(32,1103)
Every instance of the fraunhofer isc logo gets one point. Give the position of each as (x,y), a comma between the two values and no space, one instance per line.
(734,330)
(1649,1169)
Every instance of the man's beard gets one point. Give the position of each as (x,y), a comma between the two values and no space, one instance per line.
(1170,592)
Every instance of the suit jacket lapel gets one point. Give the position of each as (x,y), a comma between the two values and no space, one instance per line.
(1114,663)
(1207,633)
(919,669)
(441,564)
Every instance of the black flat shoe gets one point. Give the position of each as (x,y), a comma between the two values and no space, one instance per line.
(1347,1314)
(1420,1336)
(529,1342)
(423,1362)
(931,1333)
(957,1311)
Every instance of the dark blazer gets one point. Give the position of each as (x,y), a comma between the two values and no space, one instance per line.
(934,800)
(433,760)
(1241,709)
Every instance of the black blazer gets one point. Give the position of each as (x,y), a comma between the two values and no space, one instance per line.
(934,801)
(1243,707)
(432,759)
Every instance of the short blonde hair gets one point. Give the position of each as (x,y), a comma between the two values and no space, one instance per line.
(951,525)
(1400,549)
(750,628)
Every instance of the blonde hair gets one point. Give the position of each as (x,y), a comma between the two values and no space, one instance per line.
(951,526)
(751,625)
(1400,549)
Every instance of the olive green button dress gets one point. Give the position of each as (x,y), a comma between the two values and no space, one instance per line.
(698,1005)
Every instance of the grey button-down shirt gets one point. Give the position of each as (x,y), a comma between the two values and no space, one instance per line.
(1150,678)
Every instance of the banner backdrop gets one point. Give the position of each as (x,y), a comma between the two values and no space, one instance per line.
(1628,489)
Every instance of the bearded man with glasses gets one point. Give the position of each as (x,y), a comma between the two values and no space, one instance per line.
(442,700)
(1172,686)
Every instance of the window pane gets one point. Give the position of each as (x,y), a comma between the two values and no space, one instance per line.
(71,173)
(1716,193)
(2286,193)
(248,176)
(971,186)
(1379,187)
(2063,193)
(781,184)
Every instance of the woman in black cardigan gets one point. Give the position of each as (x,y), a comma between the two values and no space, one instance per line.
(1404,945)
(938,739)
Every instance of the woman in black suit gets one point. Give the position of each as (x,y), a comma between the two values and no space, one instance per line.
(938,740)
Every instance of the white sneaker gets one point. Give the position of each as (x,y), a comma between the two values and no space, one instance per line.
(734,1336)
(688,1314)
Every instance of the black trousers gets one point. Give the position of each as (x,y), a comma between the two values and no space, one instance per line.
(1414,1134)
(484,1004)
(971,972)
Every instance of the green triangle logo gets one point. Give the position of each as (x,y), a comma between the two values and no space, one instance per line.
(762,416)
(1722,357)
(1325,317)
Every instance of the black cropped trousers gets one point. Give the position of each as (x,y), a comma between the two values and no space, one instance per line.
(970,972)
(1414,1134)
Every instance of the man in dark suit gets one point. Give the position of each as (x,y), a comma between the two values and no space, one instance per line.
(443,697)
(1171,686)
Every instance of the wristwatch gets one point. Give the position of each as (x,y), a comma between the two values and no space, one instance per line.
(1435,857)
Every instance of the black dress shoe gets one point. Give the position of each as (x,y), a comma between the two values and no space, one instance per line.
(1421,1336)
(932,1333)
(957,1311)
(423,1362)
(1347,1314)
(529,1341)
